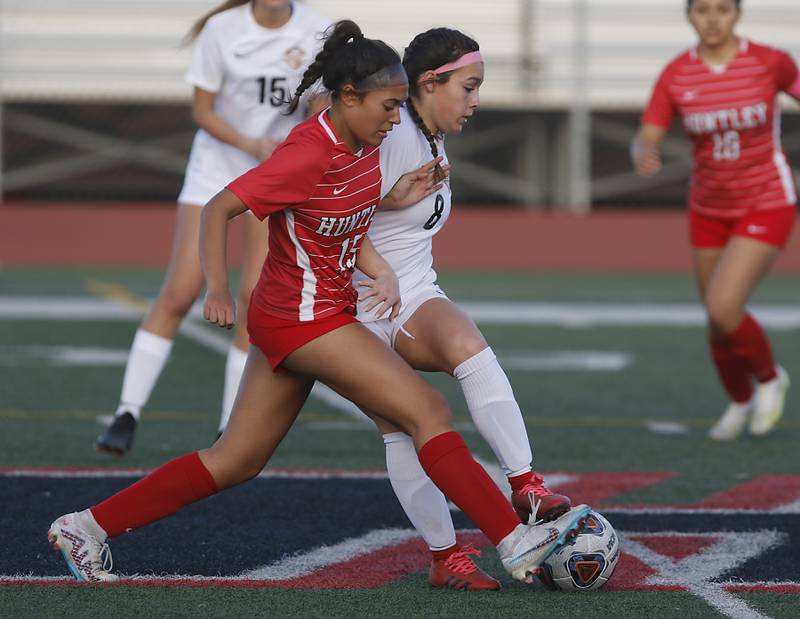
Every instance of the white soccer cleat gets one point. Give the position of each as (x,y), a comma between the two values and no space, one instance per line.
(732,422)
(770,399)
(85,555)
(524,550)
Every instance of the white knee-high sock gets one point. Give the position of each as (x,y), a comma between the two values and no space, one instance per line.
(149,353)
(234,368)
(495,411)
(423,503)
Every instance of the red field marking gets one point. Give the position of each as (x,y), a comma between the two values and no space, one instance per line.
(763,492)
(141,235)
(597,488)
(675,547)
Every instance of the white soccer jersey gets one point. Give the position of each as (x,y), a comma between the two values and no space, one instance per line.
(404,237)
(253,71)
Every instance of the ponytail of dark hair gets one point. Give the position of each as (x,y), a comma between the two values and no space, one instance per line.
(347,57)
(427,51)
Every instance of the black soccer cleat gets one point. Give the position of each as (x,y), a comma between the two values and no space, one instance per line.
(118,438)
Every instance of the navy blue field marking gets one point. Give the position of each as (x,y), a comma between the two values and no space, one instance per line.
(262,521)
(776,565)
(240,529)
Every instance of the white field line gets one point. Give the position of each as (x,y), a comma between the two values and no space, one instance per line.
(572,315)
(313,560)
(666,427)
(697,572)
(539,361)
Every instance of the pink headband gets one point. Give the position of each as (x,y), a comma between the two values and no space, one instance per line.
(463,61)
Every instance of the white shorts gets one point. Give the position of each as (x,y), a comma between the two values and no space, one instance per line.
(212,165)
(387,330)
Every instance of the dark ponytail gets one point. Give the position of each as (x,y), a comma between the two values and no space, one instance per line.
(428,51)
(346,57)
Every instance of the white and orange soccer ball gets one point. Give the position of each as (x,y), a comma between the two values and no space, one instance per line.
(587,562)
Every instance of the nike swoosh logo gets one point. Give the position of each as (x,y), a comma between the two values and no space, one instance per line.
(336,192)
(753,229)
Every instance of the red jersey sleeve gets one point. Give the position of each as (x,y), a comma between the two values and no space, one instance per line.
(660,110)
(786,74)
(289,177)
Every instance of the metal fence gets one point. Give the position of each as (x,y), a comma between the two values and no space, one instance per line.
(94,103)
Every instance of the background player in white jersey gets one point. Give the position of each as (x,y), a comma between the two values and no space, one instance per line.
(445,72)
(249,58)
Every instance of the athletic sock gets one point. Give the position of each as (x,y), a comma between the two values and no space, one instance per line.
(518,481)
(164,491)
(423,503)
(149,352)
(495,412)
(234,368)
(733,371)
(749,342)
(447,461)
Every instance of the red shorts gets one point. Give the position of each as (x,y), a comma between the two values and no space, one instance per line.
(773,226)
(278,337)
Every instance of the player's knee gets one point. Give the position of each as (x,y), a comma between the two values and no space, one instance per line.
(435,408)
(464,347)
(176,303)
(244,298)
(724,314)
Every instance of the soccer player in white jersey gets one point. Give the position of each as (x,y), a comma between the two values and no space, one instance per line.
(432,333)
(248,59)
(742,198)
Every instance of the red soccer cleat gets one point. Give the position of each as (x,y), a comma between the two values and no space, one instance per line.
(458,571)
(534,493)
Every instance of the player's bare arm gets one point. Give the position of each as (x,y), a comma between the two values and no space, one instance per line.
(218,307)
(384,288)
(645,149)
(207,118)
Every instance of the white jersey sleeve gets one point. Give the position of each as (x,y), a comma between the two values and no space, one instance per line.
(207,68)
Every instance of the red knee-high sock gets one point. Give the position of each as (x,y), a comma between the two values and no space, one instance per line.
(449,464)
(164,491)
(749,342)
(732,370)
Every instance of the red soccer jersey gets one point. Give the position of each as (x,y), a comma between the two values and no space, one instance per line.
(733,118)
(320,198)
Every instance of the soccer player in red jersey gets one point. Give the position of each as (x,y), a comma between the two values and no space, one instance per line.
(742,196)
(320,190)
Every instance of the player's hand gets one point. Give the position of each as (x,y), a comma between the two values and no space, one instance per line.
(646,159)
(415,186)
(261,148)
(219,309)
(383,291)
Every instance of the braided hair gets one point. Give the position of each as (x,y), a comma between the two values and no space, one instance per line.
(347,57)
(427,51)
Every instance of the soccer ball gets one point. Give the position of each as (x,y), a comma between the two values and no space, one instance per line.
(585,563)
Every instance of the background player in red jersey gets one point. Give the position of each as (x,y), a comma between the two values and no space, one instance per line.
(320,189)
(742,197)
(248,55)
